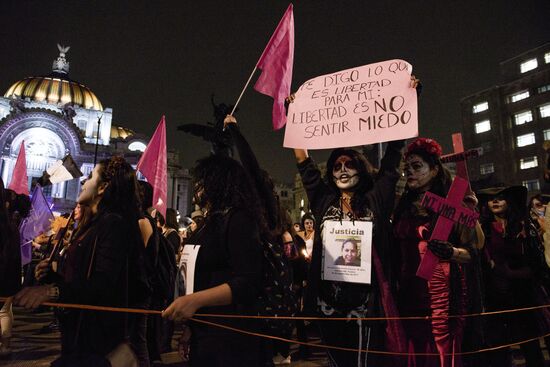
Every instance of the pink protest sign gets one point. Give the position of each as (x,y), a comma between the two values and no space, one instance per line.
(450,210)
(363,105)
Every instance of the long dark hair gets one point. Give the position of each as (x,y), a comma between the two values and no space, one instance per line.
(440,186)
(515,217)
(366,182)
(122,194)
(224,184)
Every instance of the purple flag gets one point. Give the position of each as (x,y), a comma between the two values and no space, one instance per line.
(38,221)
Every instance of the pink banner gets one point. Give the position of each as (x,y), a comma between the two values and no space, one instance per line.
(363,105)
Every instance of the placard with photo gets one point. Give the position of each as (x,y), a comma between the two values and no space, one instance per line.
(347,251)
(187,264)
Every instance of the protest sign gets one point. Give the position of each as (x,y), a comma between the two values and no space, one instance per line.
(347,251)
(363,105)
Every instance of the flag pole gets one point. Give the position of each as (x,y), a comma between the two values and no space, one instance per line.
(245,86)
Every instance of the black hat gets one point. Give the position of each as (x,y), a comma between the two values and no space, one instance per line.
(513,194)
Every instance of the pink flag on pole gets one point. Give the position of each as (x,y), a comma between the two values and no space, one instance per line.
(19,180)
(276,65)
(153,165)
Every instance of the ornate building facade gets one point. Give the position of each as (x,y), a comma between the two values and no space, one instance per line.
(55,115)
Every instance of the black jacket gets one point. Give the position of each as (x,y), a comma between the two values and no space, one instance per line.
(103,268)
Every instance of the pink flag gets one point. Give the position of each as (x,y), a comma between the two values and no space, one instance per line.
(19,180)
(276,65)
(154,166)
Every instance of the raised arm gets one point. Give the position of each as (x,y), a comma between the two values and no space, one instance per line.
(248,159)
(301,155)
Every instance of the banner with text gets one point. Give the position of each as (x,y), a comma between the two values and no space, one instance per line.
(363,105)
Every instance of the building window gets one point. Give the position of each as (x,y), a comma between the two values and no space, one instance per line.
(486,147)
(546,134)
(547,57)
(82,125)
(524,140)
(523,117)
(137,146)
(518,96)
(483,126)
(544,110)
(532,185)
(543,89)
(480,107)
(486,168)
(529,162)
(528,65)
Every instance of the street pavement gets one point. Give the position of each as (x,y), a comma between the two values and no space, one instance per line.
(33,348)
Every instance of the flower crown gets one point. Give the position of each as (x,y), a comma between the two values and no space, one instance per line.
(426,145)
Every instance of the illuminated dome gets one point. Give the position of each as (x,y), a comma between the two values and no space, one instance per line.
(56,88)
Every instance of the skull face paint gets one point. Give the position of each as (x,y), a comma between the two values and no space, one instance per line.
(419,174)
(344,173)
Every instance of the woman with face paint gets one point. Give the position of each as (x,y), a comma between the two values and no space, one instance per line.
(349,194)
(445,293)
(514,272)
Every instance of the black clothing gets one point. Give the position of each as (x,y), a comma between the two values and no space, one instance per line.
(345,297)
(230,253)
(109,280)
(174,238)
(380,201)
(10,263)
(259,178)
(510,284)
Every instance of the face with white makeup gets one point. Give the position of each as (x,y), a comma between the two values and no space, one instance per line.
(345,174)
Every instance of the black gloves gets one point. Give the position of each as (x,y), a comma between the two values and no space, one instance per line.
(442,249)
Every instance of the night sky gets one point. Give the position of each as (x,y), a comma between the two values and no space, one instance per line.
(149,58)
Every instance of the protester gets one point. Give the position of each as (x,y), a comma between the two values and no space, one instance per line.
(10,271)
(197,217)
(445,293)
(308,234)
(228,267)
(512,276)
(538,217)
(103,267)
(276,233)
(300,264)
(170,229)
(349,194)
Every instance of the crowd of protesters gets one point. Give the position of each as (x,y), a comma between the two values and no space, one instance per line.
(117,250)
